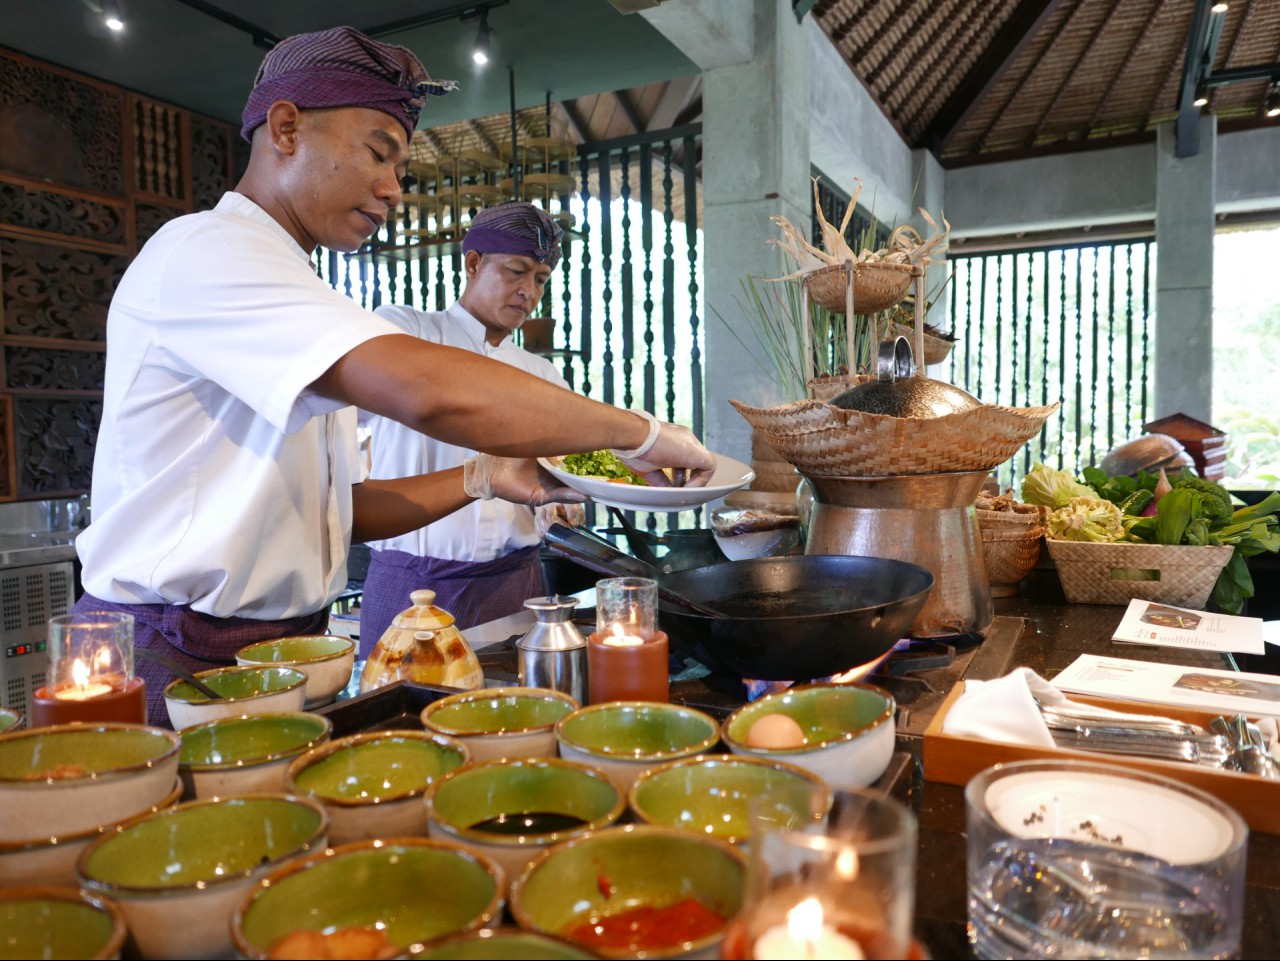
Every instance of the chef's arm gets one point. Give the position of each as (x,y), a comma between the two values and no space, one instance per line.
(389,508)
(470,401)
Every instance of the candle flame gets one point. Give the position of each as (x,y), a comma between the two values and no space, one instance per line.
(620,638)
(80,673)
(804,921)
(847,864)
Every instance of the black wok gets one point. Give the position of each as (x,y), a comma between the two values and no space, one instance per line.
(782,618)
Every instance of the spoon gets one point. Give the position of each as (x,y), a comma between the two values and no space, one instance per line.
(176,668)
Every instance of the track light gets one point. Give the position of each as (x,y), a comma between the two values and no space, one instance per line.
(1219,8)
(1273,101)
(112,15)
(1202,97)
(480,49)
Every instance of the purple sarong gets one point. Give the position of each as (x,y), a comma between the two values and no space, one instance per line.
(474,593)
(196,641)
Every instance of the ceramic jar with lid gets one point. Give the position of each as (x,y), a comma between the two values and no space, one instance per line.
(422,645)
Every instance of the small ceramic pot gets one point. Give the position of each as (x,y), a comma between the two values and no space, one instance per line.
(372,784)
(178,875)
(503,943)
(247,754)
(326,659)
(512,809)
(59,923)
(244,690)
(72,778)
(501,722)
(626,738)
(847,729)
(710,795)
(413,889)
(628,867)
(10,719)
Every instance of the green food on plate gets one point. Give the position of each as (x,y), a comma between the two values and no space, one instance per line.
(602,463)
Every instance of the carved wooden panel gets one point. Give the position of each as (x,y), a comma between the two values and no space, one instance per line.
(158,150)
(51,291)
(35,368)
(8,483)
(150,218)
(59,128)
(63,214)
(210,159)
(53,442)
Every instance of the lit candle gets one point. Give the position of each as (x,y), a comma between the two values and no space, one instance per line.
(81,688)
(806,936)
(619,638)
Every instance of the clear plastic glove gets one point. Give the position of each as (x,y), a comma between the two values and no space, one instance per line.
(516,479)
(570,515)
(669,445)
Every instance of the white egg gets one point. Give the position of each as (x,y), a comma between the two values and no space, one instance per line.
(775,731)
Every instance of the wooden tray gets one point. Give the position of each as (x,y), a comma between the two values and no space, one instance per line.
(952,759)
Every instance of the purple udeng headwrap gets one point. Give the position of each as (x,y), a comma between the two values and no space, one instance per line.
(515,227)
(341,68)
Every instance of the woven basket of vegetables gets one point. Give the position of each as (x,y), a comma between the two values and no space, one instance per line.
(1011,555)
(1178,542)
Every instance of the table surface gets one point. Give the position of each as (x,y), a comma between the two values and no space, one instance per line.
(1054,634)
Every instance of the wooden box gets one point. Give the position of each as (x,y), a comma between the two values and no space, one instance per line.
(952,759)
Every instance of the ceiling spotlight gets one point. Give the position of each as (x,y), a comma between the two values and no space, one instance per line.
(112,15)
(1220,7)
(1273,102)
(480,49)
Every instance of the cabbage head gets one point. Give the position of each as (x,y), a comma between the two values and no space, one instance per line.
(1087,519)
(1052,488)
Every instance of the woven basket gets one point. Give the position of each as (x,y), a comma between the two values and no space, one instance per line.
(828,387)
(936,349)
(1023,517)
(1106,573)
(877,286)
(826,441)
(1011,555)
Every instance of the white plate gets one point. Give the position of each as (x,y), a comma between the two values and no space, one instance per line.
(1114,811)
(729,475)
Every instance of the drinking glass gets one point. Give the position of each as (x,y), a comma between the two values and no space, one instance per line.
(1073,859)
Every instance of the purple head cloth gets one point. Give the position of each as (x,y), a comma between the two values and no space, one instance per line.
(515,227)
(341,68)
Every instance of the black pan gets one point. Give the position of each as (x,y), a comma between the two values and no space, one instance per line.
(782,618)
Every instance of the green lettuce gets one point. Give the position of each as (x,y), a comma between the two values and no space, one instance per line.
(1052,488)
(1086,519)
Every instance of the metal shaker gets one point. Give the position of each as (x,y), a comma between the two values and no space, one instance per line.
(553,654)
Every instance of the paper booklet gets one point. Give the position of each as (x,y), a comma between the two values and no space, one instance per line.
(1160,625)
(1198,688)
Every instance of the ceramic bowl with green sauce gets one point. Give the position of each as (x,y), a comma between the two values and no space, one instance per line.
(413,889)
(847,728)
(497,944)
(512,809)
(626,738)
(326,659)
(10,719)
(55,923)
(501,722)
(568,887)
(52,860)
(178,875)
(247,754)
(244,690)
(71,778)
(711,795)
(373,783)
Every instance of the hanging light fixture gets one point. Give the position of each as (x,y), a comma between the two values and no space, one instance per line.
(1272,105)
(480,49)
(113,15)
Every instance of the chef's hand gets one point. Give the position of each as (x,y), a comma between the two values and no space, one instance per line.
(570,515)
(519,480)
(669,445)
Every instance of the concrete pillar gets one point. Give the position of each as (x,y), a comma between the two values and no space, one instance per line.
(755,164)
(1183,362)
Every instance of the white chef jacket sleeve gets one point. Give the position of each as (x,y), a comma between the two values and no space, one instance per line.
(262,325)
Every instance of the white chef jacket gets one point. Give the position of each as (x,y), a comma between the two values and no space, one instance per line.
(219,480)
(483,530)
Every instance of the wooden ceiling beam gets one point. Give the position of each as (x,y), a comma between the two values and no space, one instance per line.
(576,124)
(1070,75)
(1013,36)
(674,99)
(629,111)
(483,136)
(1120,71)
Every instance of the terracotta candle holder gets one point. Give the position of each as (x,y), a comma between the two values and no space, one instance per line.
(123,701)
(627,672)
